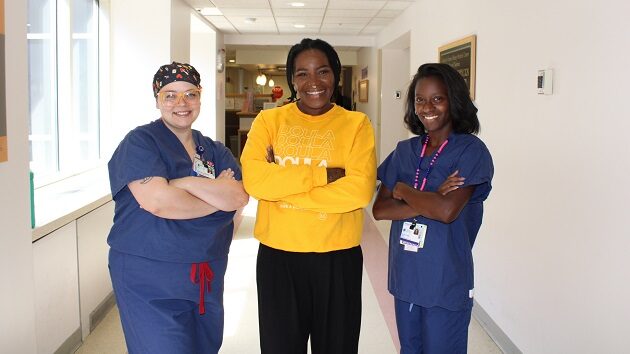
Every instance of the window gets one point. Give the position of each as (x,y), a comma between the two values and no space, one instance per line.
(63,87)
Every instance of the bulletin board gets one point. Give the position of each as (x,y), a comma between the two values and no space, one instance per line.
(461,55)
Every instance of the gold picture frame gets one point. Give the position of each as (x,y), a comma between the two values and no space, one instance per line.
(363,90)
(462,56)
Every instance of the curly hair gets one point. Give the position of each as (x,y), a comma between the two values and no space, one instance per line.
(461,108)
(317,44)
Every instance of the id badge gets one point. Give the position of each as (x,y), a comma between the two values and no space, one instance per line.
(202,168)
(413,235)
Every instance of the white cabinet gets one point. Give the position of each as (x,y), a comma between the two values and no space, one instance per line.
(72,280)
(56,288)
(95,287)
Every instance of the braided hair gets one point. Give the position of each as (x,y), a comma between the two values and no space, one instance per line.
(317,44)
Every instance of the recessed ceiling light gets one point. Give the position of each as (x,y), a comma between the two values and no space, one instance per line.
(298,25)
(232,60)
(210,11)
(250,20)
(297,4)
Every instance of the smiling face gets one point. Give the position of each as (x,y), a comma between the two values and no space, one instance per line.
(431,105)
(180,114)
(314,82)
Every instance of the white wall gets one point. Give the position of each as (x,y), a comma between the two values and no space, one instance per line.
(203,53)
(368,57)
(17,322)
(180,31)
(395,73)
(552,265)
(220,95)
(138,48)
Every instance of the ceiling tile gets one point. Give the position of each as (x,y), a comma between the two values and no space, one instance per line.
(247,12)
(239,21)
(372,29)
(298,12)
(351,13)
(380,21)
(303,20)
(344,17)
(389,13)
(355,5)
(342,31)
(260,30)
(244,4)
(397,5)
(342,26)
(219,21)
(347,20)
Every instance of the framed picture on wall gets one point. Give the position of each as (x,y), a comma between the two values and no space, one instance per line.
(461,55)
(363,90)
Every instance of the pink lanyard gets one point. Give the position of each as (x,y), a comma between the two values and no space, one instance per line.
(433,160)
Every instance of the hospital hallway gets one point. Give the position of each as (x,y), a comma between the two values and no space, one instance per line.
(378,328)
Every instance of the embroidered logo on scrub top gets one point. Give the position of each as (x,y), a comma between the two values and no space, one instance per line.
(202,167)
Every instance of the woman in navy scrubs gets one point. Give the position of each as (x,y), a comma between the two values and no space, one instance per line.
(434,226)
(176,192)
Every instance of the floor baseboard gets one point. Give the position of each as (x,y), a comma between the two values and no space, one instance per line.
(494,331)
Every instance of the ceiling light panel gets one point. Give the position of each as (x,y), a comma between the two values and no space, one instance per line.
(308,4)
(285,28)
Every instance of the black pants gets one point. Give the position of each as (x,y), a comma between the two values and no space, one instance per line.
(309,294)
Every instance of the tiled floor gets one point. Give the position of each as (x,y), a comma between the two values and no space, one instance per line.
(241,323)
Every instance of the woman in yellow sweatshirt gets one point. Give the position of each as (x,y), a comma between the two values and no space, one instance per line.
(311,164)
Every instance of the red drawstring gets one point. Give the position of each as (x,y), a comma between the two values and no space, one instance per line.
(205,277)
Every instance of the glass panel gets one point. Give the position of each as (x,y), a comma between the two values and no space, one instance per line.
(42,88)
(85,79)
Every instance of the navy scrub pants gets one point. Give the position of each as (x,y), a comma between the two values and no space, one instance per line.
(159,305)
(431,330)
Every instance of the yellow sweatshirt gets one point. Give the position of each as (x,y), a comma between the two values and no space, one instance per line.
(298,210)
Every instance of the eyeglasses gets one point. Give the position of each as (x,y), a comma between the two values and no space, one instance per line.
(171,98)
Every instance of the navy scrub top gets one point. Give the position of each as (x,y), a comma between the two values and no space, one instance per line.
(153,150)
(441,273)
